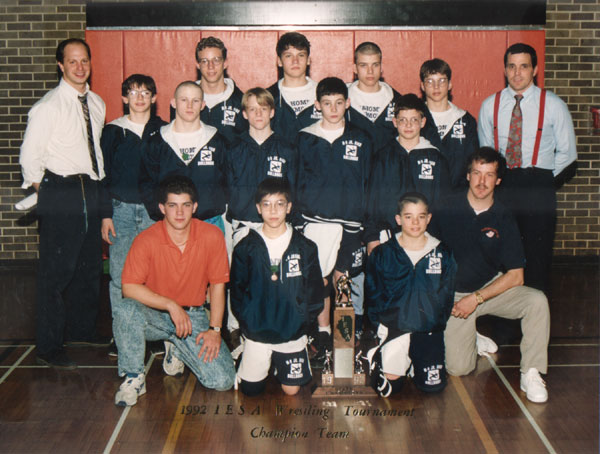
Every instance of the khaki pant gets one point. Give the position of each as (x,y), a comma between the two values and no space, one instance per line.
(525,303)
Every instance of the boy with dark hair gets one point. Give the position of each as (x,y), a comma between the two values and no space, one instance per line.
(189,147)
(334,162)
(276,293)
(123,213)
(371,99)
(258,154)
(449,128)
(223,99)
(294,94)
(168,300)
(410,290)
(408,163)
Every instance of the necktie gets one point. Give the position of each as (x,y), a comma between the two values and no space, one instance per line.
(513,147)
(90,136)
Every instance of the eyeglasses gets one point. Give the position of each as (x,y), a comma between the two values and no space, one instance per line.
(144,93)
(215,61)
(436,83)
(413,121)
(280,205)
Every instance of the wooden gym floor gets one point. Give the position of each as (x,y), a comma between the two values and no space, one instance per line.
(43,410)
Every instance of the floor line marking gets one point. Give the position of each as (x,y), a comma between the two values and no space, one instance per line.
(521,405)
(14,366)
(514,366)
(177,423)
(480,428)
(123,417)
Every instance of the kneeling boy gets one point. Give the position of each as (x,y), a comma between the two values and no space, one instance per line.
(276,292)
(410,290)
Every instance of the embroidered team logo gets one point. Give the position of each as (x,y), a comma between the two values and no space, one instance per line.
(316,114)
(294,266)
(426,169)
(206,157)
(358,258)
(435,264)
(275,168)
(229,115)
(389,115)
(458,130)
(351,152)
(295,367)
(433,377)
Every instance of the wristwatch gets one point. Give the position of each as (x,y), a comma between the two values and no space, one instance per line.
(215,328)
(479,297)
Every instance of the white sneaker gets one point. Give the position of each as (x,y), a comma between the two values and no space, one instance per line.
(485,345)
(130,389)
(171,364)
(533,386)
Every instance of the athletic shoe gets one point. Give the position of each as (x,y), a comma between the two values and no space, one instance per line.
(533,386)
(129,391)
(56,360)
(485,345)
(171,364)
(378,380)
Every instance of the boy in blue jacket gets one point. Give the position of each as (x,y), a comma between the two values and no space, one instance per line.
(409,287)
(123,213)
(334,164)
(276,292)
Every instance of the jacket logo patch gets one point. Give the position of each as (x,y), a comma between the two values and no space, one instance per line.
(358,258)
(206,157)
(294,266)
(229,115)
(351,150)
(275,166)
(316,114)
(435,263)
(458,130)
(389,114)
(426,169)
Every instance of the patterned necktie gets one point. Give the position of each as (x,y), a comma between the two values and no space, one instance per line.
(513,154)
(90,136)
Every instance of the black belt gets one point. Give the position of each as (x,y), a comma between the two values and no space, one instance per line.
(77,176)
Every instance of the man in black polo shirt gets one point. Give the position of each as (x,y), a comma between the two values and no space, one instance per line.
(487,247)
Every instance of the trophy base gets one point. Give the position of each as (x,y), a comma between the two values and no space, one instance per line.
(344,387)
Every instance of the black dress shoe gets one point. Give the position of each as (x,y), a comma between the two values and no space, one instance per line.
(94,341)
(57,360)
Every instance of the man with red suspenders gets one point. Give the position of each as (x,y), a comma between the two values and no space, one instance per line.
(533,129)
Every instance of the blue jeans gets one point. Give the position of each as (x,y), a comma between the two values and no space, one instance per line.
(150,324)
(129,220)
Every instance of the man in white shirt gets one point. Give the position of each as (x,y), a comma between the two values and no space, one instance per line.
(61,158)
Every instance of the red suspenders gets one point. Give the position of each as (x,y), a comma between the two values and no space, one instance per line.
(538,135)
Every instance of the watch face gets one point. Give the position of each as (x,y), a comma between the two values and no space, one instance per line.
(216,328)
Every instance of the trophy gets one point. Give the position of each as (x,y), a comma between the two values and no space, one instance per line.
(343,374)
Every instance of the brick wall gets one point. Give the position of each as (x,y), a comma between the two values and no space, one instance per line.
(573,73)
(31,29)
